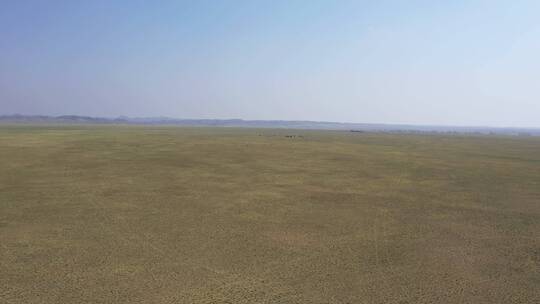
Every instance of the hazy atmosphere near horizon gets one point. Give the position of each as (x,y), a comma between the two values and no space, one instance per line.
(414,62)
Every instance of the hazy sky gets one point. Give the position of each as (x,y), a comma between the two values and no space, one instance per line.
(417,62)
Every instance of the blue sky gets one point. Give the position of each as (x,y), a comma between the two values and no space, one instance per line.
(415,62)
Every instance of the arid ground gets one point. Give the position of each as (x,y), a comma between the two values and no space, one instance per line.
(133,214)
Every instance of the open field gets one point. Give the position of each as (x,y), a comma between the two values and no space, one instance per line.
(105,214)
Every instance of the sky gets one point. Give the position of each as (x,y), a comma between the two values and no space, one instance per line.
(472,63)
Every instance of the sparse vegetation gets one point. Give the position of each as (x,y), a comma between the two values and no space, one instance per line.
(139,214)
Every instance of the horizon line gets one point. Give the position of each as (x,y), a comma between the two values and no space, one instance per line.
(125,117)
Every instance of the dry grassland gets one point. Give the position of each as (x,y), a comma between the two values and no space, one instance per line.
(124,214)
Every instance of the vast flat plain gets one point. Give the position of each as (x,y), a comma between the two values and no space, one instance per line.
(131,214)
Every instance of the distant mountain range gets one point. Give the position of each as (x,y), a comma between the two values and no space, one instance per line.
(284,124)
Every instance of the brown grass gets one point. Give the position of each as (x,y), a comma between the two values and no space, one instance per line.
(113,214)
